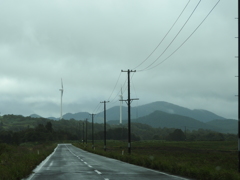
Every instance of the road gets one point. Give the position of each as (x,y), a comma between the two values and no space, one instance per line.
(69,162)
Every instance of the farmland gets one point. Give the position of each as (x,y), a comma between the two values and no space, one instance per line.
(17,162)
(198,160)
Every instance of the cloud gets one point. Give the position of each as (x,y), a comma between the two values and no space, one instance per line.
(88,43)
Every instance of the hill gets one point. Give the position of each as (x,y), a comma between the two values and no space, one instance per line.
(35,116)
(144,110)
(225,126)
(166,120)
(76,116)
(201,115)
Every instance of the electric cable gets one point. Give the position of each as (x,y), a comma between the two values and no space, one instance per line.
(97,107)
(164,36)
(174,37)
(185,39)
(115,85)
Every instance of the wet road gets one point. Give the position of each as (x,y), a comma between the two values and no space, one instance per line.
(68,162)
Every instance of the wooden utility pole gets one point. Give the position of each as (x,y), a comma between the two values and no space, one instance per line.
(104,123)
(83,133)
(92,131)
(128,101)
(86,131)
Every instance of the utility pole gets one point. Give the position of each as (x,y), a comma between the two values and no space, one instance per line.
(83,133)
(185,133)
(104,123)
(120,115)
(238,106)
(86,130)
(128,101)
(92,131)
(79,131)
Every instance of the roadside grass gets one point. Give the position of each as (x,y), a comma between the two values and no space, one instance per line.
(17,162)
(198,160)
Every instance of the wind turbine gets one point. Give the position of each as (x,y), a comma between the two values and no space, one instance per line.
(61,99)
(121,99)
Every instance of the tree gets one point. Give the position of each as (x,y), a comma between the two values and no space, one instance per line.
(156,137)
(48,126)
(177,135)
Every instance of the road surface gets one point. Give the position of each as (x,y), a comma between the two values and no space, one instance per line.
(68,162)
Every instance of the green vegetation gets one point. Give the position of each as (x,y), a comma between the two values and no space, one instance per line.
(17,162)
(199,154)
(24,129)
(199,160)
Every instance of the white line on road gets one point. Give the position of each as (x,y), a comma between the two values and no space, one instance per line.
(42,164)
(98,172)
(50,165)
(89,166)
(84,162)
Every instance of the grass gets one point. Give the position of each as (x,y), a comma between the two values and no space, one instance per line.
(17,162)
(198,160)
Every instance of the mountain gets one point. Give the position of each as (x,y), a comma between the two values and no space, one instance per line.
(225,126)
(144,110)
(53,118)
(76,116)
(163,119)
(201,115)
(140,111)
(35,116)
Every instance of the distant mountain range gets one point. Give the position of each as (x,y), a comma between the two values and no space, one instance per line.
(163,119)
(144,110)
(162,114)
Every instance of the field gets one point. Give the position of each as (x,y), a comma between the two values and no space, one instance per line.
(210,160)
(198,160)
(17,162)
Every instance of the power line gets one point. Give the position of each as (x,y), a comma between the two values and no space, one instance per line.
(164,36)
(114,86)
(184,40)
(174,37)
(97,107)
(113,100)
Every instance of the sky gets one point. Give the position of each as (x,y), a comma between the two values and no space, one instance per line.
(181,55)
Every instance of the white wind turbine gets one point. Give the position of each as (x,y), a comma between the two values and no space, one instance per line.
(61,99)
(121,100)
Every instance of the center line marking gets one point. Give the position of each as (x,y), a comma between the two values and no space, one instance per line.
(98,172)
(89,166)
(84,162)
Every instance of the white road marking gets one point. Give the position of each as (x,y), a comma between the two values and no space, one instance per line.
(42,164)
(98,172)
(84,162)
(50,165)
(89,166)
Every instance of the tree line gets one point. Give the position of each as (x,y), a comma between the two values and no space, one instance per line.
(17,129)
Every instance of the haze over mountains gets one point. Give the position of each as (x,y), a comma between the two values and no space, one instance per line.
(144,110)
(163,114)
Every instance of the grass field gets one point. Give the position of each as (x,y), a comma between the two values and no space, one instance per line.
(17,162)
(198,160)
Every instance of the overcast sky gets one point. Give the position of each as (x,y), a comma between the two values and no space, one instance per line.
(88,43)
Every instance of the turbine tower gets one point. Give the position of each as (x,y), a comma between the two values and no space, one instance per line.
(121,98)
(61,99)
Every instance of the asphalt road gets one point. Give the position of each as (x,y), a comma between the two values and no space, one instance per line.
(69,162)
